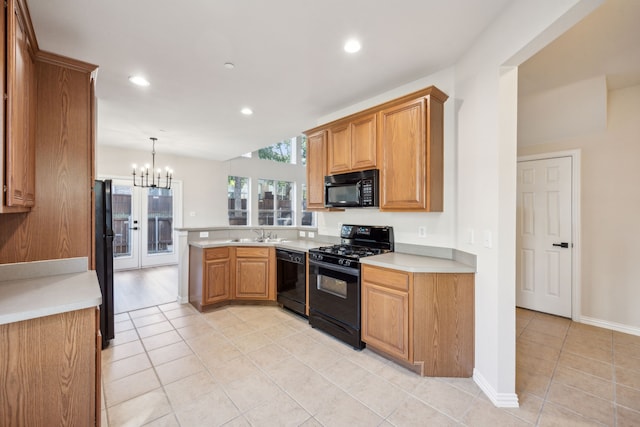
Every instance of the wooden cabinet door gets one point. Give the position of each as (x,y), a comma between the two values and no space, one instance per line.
(386,311)
(216,286)
(20,122)
(363,143)
(402,147)
(316,169)
(339,148)
(252,278)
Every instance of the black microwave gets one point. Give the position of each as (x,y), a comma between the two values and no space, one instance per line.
(352,190)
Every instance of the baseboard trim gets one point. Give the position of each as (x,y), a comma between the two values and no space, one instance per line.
(500,400)
(610,325)
(183,300)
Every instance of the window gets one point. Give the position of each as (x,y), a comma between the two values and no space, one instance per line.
(278,152)
(308,218)
(238,194)
(302,140)
(275,202)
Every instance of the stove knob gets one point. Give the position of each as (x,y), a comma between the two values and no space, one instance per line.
(340,261)
(347,263)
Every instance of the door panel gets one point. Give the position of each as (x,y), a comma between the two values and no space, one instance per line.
(544,267)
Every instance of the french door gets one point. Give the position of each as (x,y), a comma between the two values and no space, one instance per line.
(143,223)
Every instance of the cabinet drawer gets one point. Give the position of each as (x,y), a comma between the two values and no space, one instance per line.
(252,252)
(216,253)
(387,278)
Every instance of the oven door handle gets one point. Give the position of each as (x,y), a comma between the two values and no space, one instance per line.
(347,270)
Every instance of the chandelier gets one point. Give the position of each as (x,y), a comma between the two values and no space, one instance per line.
(145,171)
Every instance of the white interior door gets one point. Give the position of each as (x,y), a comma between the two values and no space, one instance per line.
(544,241)
(143,224)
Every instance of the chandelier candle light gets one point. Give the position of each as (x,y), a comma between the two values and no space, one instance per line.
(144,172)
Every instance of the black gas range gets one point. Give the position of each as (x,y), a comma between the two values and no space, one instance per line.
(334,280)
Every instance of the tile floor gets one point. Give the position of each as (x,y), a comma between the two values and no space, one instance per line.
(261,366)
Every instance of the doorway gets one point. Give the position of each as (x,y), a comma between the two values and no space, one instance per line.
(143,225)
(547,233)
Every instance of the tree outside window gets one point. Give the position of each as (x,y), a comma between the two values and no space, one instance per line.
(238,196)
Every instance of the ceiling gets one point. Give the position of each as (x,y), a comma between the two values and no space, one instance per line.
(290,67)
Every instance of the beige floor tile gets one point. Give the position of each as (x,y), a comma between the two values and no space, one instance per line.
(121,390)
(208,342)
(535,349)
(465,384)
(344,373)
(368,360)
(155,329)
(298,344)
(168,353)
(483,413)
(628,350)
(172,306)
(589,330)
(585,382)
(629,397)
(445,398)
(148,320)
(268,355)
(535,365)
(600,369)
(527,382)
(289,373)
(211,409)
(166,421)
(558,416)
(121,317)
(414,413)
(399,376)
(219,355)
(319,357)
(626,417)
(582,403)
(312,391)
(556,328)
(122,326)
(111,354)
(264,321)
(252,341)
(311,422)
(590,351)
(249,392)
(144,312)
(343,410)
(628,377)
(156,341)
(124,337)
(279,331)
(104,420)
(587,340)
(125,367)
(233,370)
(529,407)
(187,310)
(368,390)
(622,338)
(193,331)
(182,321)
(542,338)
(183,392)
(140,410)
(179,368)
(282,410)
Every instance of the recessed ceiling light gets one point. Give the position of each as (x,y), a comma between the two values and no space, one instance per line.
(246,111)
(139,80)
(352,46)
(229,65)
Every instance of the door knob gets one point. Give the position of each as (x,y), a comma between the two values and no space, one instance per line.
(562,245)
(133,228)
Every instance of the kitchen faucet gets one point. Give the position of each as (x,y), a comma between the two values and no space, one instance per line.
(260,232)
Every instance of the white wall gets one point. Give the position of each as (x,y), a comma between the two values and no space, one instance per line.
(204,182)
(610,203)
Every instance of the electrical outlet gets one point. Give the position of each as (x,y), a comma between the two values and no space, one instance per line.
(192,213)
(302,233)
(204,234)
(422,231)
(311,234)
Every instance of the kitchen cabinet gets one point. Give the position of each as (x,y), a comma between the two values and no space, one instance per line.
(422,320)
(50,370)
(254,273)
(20,89)
(411,152)
(225,274)
(209,276)
(352,145)
(316,169)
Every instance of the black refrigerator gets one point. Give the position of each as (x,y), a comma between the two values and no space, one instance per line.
(104,257)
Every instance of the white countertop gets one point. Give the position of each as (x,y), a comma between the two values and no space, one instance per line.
(417,263)
(296,245)
(29,298)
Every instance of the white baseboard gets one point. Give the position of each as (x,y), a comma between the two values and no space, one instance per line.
(610,325)
(183,300)
(500,400)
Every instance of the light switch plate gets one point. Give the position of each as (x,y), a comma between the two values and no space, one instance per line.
(311,234)
(204,234)
(487,240)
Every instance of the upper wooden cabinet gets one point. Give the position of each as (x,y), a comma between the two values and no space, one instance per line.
(403,138)
(20,89)
(352,145)
(316,169)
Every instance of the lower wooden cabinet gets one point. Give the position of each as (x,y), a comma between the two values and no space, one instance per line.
(49,370)
(425,320)
(223,274)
